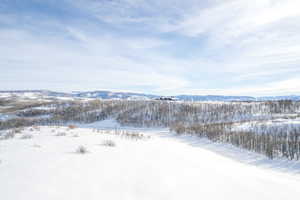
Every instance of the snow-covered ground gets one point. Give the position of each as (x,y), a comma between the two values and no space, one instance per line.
(47,167)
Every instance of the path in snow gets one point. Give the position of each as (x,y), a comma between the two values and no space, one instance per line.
(46,167)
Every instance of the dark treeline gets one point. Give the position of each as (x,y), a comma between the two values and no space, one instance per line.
(163,113)
(215,121)
(270,141)
(16,123)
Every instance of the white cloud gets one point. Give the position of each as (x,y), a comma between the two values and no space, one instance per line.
(96,62)
(285,87)
(137,45)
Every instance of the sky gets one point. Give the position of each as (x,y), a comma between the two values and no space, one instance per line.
(166,47)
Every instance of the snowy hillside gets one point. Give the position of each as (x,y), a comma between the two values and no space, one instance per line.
(33,93)
(44,163)
(114,95)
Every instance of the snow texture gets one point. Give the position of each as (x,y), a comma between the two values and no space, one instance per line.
(163,167)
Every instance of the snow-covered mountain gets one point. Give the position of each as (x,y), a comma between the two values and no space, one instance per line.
(214,98)
(273,98)
(113,95)
(33,93)
(138,96)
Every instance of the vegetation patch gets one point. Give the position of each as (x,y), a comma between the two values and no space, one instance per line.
(108,143)
(81,150)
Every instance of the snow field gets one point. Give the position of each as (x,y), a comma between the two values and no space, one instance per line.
(46,166)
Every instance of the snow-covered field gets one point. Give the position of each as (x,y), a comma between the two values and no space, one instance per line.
(47,166)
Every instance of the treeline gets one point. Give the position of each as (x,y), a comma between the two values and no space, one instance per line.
(271,141)
(215,121)
(161,113)
(16,123)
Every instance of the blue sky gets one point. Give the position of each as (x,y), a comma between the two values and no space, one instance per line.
(226,47)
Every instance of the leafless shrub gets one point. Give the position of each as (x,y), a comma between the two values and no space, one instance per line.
(61,134)
(36,128)
(81,150)
(17,130)
(108,143)
(124,134)
(8,135)
(26,136)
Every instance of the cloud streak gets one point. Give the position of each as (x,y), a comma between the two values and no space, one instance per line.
(164,47)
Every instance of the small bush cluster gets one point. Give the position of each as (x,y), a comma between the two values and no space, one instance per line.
(34,128)
(11,133)
(81,150)
(8,135)
(26,136)
(17,130)
(108,143)
(61,134)
(125,134)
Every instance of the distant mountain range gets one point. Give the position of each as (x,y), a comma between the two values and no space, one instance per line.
(131,95)
(113,95)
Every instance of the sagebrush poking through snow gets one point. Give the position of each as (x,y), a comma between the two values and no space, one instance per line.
(124,134)
(61,134)
(108,143)
(8,135)
(81,150)
(37,146)
(27,136)
(36,128)
(120,170)
(17,130)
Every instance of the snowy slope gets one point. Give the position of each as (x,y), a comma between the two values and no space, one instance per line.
(162,167)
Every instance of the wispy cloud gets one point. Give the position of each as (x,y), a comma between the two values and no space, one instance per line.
(167,47)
